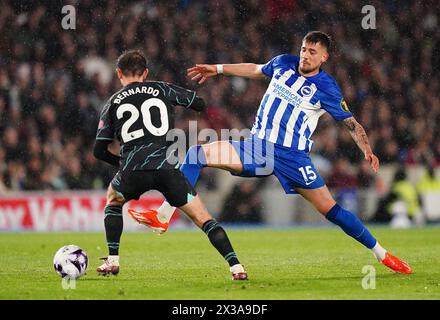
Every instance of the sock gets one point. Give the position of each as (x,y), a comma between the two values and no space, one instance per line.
(220,241)
(379,252)
(113,228)
(192,165)
(113,259)
(165,212)
(194,162)
(236,268)
(351,225)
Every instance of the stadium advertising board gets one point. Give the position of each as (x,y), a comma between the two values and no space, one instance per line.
(71,211)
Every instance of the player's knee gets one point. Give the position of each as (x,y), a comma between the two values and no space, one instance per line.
(195,155)
(206,149)
(114,198)
(212,152)
(114,201)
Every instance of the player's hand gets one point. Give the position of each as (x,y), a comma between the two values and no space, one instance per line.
(373,160)
(201,72)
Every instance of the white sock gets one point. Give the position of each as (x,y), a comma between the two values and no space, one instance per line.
(236,268)
(113,259)
(165,212)
(379,252)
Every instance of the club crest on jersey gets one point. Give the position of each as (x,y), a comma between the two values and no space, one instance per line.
(306,91)
(344,106)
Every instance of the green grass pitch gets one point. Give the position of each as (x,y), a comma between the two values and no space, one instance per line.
(298,263)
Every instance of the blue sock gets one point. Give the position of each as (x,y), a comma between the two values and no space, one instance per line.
(351,225)
(194,162)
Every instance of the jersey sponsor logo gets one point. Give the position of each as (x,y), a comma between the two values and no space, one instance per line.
(344,106)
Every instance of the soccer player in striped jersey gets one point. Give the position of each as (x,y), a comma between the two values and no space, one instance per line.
(280,142)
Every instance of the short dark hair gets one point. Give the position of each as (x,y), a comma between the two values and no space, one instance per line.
(318,36)
(132,63)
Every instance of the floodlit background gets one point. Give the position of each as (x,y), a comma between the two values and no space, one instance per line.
(54,81)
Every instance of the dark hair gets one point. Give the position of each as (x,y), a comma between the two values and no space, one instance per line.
(317,36)
(132,63)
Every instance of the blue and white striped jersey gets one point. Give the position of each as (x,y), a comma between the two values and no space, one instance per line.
(290,109)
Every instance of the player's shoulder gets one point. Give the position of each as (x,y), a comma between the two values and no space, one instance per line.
(286,59)
(155,82)
(139,86)
(158,83)
(163,86)
(109,103)
(114,96)
(328,83)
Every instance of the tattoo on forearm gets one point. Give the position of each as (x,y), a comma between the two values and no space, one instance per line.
(350,123)
(358,133)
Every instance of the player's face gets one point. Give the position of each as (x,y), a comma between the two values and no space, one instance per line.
(312,56)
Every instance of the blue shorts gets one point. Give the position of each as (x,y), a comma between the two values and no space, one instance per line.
(294,169)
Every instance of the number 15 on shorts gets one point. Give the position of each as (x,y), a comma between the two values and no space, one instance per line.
(308,174)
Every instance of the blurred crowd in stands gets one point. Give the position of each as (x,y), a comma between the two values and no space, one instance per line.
(53,82)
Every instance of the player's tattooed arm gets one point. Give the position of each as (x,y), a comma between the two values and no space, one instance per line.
(360,137)
(358,133)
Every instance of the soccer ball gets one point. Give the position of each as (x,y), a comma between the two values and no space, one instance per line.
(70,262)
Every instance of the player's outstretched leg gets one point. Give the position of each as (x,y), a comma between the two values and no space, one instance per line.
(113,223)
(351,225)
(220,154)
(216,234)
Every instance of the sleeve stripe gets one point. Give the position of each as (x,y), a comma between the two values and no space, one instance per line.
(194,96)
